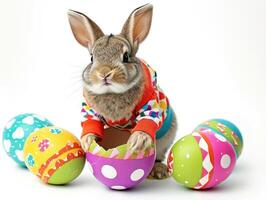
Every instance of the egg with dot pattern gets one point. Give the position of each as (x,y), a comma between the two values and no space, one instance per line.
(226,129)
(17,130)
(116,167)
(201,160)
(54,155)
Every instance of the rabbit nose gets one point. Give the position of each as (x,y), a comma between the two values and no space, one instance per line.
(105,75)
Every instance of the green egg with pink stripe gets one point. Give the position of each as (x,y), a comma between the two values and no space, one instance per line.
(202,159)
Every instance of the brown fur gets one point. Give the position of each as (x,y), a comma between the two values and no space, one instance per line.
(116,106)
(106,53)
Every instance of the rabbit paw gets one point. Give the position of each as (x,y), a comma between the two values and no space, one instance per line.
(139,141)
(159,171)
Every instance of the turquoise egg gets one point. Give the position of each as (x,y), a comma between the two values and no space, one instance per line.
(232,126)
(17,130)
(227,129)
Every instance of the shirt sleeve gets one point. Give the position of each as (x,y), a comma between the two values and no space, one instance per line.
(90,121)
(149,118)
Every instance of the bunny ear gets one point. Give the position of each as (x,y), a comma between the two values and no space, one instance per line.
(138,25)
(84,29)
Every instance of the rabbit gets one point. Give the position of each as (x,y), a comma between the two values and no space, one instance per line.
(121,90)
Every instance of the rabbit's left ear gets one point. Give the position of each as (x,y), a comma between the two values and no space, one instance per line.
(84,29)
(138,26)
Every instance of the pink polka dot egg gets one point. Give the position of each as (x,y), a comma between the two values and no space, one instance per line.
(202,159)
(114,166)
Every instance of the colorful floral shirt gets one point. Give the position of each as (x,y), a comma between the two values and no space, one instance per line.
(148,116)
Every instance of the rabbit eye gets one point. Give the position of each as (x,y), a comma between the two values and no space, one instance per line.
(125,57)
(91,58)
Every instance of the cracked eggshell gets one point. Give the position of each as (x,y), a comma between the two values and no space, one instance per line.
(115,167)
(54,155)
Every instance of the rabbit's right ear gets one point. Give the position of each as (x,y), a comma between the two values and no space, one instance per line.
(84,29)
(138,25)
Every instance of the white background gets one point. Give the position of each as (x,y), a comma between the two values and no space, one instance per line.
(211,60)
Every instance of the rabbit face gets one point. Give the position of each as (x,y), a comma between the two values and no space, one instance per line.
(113,69)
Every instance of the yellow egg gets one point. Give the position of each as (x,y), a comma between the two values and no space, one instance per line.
(54,155)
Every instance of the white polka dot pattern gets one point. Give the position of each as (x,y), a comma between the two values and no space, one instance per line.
(225,161)
(28,120)
(20,155)
(7,145)
(118,187)
(18,134)
(137,175)
(109,171)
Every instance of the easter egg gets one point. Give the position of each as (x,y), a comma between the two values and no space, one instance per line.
(54,155)
(116,167)
(226,129)
(201,160)
(17,131)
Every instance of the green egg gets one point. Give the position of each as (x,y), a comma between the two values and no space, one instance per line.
(187,163)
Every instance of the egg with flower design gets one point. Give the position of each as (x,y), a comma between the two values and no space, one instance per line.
(54,155)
